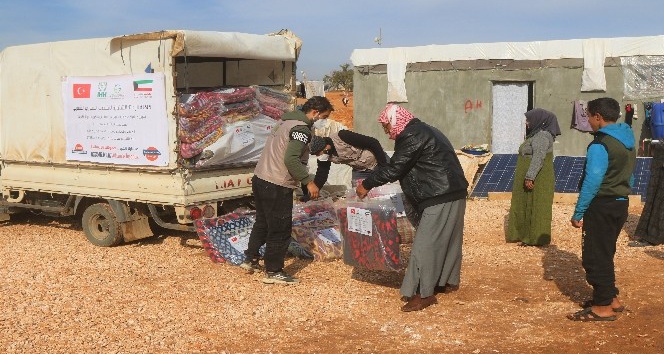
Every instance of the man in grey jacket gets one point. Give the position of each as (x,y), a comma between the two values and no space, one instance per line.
(280,169)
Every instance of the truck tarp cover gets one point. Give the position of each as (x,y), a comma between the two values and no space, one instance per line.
(32,127)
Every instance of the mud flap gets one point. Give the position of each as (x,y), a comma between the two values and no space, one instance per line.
(134,222)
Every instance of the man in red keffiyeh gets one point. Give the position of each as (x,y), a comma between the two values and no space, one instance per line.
(397,117)
(433,182)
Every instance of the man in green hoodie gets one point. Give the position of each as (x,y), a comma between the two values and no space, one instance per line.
(281,168)
(601,209)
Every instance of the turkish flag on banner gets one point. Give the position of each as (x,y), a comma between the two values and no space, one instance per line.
(82,90)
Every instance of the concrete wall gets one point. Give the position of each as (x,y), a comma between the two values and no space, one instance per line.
(459,102)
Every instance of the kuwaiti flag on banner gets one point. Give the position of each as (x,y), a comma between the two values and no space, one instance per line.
(142,85)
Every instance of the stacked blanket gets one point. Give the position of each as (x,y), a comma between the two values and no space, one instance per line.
(203,115)
(273,103)
(206,116)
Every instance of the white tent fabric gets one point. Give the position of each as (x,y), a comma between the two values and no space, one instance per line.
(593,78)
(540,50)
(396,76)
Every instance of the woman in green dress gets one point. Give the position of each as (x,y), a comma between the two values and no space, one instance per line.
(532,194)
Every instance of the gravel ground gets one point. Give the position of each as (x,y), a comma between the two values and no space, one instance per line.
(61,294)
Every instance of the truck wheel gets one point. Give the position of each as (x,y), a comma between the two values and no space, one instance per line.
(101,226)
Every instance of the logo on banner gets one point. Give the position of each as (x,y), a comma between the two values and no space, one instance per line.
(100,154)
(78,149)
(101,89)
(151,153)
(117,92)
(81,90)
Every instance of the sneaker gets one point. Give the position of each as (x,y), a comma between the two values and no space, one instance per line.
(279,278)
(250,266)
(639,243)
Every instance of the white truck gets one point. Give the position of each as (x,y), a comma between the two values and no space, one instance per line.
(75,140)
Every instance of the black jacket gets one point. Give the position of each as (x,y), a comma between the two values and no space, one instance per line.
(425,164)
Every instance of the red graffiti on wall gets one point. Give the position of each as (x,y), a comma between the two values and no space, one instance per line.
(469,105)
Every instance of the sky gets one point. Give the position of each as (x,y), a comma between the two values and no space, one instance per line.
(331,30)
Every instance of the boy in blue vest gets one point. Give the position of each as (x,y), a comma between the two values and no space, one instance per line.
(601,210)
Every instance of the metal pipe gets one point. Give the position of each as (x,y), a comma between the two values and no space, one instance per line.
(167,225)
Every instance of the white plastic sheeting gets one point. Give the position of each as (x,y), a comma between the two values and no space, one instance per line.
(643,77)
(241,142)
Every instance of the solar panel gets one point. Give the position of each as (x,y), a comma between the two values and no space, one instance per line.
(498,175)
(642,176)
(568,171)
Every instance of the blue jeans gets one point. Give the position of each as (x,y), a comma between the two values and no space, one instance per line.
(274,215)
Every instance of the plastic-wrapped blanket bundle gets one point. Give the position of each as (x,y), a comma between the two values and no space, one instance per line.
(316,229)
(273,103)
(225,238)
(221,122)
(243,143)
(201,116)
(393,193)
(202,229)
(370,236)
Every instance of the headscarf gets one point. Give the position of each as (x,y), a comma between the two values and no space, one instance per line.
(397,116)
(540,119)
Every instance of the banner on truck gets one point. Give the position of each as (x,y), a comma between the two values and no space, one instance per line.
(116,119)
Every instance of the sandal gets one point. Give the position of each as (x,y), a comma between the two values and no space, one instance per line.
(587,315)
(589,303)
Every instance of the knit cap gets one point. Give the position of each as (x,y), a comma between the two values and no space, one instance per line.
(317,144)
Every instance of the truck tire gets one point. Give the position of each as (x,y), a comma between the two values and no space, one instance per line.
(100,225)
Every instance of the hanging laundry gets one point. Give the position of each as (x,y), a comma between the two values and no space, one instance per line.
(579,117)
(647,113)
(629,114)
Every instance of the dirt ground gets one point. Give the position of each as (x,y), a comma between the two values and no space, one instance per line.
(61,294)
